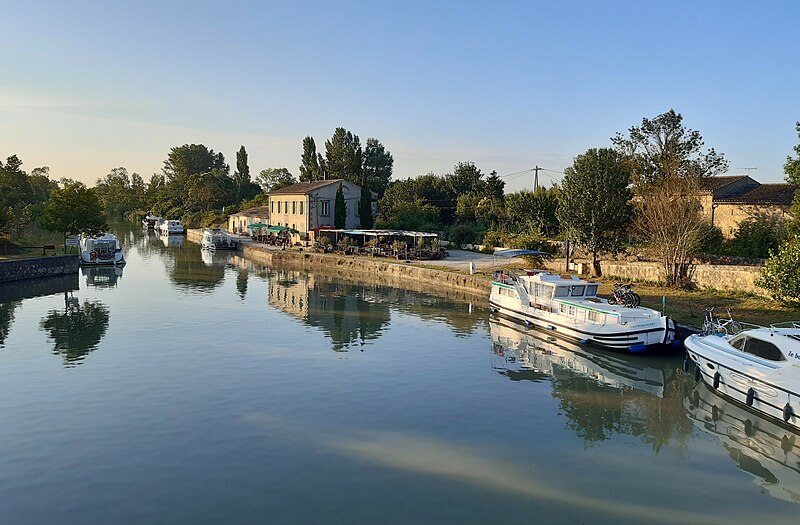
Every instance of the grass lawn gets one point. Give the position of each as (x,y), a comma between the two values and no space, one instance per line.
(25,246)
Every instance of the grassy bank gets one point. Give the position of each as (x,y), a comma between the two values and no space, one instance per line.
(29,244)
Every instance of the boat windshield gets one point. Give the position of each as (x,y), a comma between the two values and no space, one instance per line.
(591,290)
(577,291)
(758,348)
(562,291)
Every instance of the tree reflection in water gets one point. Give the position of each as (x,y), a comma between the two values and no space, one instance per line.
(77,330)
(6,318)
(601,393)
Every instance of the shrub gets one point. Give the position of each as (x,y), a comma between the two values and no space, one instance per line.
(781,273)
(758,237)
(461,234)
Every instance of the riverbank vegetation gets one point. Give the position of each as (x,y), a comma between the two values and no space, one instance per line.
(639,195)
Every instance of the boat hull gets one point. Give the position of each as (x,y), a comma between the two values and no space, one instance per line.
(658,336)
(87,260)
(747,385)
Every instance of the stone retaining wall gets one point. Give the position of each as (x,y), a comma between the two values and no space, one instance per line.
(395,273)
(19,269)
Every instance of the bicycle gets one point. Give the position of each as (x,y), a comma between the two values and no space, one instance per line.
(624,295)
(713,324)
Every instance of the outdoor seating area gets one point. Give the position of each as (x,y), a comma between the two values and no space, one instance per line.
(400,244)
(274,235)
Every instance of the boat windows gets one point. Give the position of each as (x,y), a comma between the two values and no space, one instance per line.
(738,343)
(763,349)
(562,291)
(577,291)
(596,317)
(591,290)
(543,291)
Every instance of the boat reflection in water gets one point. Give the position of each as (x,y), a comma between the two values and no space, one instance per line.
(171,241)
(213,258)
(602,393)
(521,355)
(102,276)
(759,446)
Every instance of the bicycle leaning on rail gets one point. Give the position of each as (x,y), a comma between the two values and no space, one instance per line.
(714,324)
(624,295)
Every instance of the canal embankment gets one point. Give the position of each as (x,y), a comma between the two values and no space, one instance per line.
(38,267)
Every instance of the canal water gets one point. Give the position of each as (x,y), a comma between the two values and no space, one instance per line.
(197,388)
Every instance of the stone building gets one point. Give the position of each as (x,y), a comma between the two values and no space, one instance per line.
(729,200)
(238,222)
(305,206)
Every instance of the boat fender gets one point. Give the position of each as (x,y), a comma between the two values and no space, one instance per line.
(716,380)
(686,364)
(551,327)
(748,428)
(635,349)
(788,412)
(751,395)
(527,323)
(697,373)
(584,341)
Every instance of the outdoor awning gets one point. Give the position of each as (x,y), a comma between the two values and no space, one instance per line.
(256,225)
(520,253)
(276,229)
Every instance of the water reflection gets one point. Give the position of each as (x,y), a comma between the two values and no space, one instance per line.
(354,314)
(601,393)
(760,447)
(102,276)
(171,241)
(77,330)
(6,319)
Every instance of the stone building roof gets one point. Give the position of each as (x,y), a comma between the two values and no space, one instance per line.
(258,211)
(302,188)
(714,183)
(781,194)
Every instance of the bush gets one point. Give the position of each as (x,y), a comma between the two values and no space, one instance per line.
(712,240)
(461,234)
(781,273)
(758,237)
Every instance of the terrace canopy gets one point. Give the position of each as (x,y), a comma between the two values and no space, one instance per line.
(277,229)
(256,225)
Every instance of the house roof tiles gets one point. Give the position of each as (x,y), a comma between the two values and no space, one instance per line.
(302,188)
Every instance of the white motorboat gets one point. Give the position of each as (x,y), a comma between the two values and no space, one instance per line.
(765,450)
(217,239)
(100,250)
(568,307)
(171,227)
(151,222)
(754,365)
(520,355)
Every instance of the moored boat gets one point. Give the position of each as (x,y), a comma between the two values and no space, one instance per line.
(151,222)
(100,250)
(217,239)
(568,307)
(754,365)
(171,227)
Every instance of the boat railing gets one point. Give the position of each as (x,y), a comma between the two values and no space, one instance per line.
(786,324)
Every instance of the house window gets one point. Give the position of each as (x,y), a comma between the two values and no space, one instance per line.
(279,206)
(301,207)
(272,207)
(285,206)
(325,208)
(294,207)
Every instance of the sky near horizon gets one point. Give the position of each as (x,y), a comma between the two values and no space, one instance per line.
(88,86)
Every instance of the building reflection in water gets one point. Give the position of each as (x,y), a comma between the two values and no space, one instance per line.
(77,329)
(102,276)
(601,393)
(354,314)
(764,449)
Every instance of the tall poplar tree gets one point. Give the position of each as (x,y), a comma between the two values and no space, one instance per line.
(340,211)
(309,161)
(365,207)
(377,166)
(593,206)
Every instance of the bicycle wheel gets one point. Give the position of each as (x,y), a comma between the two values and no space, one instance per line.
(612,299)
(627,300)
(735,328)
(636,299)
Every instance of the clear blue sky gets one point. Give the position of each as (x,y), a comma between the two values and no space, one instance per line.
(88,86)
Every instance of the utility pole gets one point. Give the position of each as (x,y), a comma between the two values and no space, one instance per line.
(536,177)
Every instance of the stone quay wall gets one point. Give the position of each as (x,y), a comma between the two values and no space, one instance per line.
(20,269)
(397,274)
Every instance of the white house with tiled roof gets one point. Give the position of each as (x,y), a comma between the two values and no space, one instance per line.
(306,206)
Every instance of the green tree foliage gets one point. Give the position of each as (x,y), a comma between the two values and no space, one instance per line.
(14,183)
(759,236)
(121,193)
(377,166)
(340,211)
(310,169)
(365,207)
(243,187)
(527,211)
(209,191)
(74,209)
(792,166)
(663,149)
(593,208)
(781,273)
(343,156)
(271,179)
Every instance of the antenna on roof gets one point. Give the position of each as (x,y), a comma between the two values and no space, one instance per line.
(748,170)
